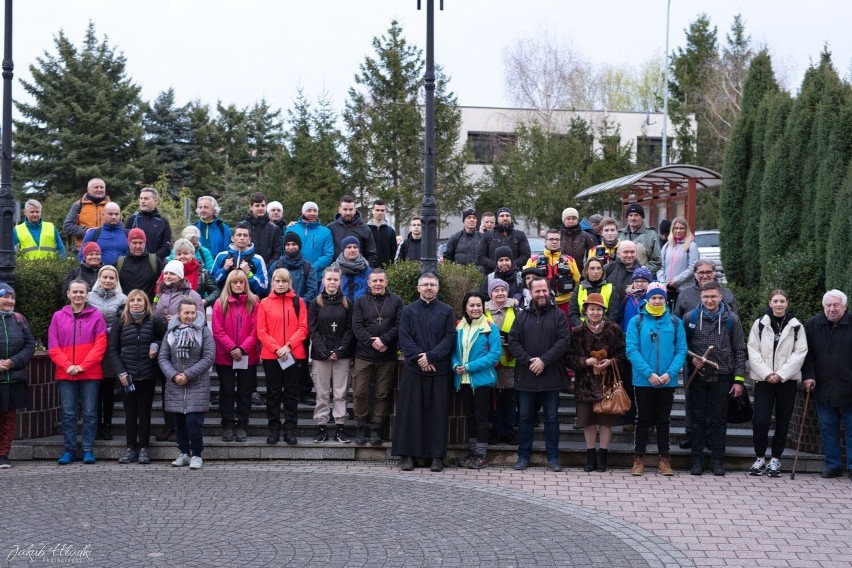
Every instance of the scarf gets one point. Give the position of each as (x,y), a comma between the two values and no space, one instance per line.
(184,340)
(595,328)
(351,267)
(138,316)
(656,311)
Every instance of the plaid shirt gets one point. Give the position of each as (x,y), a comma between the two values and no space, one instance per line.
(729,349)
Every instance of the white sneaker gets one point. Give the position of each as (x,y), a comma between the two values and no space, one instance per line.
(759,467)
(774,468)
(181,461)
(195,462)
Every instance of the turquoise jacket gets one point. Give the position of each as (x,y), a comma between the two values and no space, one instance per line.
(483,357)
(317,244)
(658,347)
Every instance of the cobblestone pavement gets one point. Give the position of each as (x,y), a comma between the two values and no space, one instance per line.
(356,514)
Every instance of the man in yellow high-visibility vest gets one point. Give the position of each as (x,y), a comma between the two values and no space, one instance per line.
(35,238)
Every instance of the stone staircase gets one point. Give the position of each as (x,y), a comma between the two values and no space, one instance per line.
(740,454)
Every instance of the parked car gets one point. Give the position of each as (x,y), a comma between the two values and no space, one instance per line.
(708,247)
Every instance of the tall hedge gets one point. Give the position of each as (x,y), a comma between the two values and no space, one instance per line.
(38,289)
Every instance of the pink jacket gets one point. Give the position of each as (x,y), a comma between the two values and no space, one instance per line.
(237,329)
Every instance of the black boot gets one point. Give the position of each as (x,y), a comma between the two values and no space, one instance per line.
(376,435)
(602,456)
(591,460)
(360,433)
(273,436)
(290,434)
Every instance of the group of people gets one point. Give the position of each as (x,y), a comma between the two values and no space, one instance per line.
(599,302)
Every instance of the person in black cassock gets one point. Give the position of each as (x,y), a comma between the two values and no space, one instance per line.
(427,334)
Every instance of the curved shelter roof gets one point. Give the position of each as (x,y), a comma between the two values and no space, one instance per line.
(666,178)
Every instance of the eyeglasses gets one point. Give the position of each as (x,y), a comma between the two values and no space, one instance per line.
(705,272)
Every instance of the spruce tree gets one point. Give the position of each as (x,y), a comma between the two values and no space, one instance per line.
(738,205)
(838,265)
(85,121)
(168,131)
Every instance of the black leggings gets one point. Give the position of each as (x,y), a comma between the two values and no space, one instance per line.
(476,405)
(653,408)
(106,400)
(137,412)
(780,397)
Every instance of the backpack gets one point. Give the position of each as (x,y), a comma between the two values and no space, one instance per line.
(152,259)
(97,234)
(693,317)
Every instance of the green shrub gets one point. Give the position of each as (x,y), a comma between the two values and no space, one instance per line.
(799,273)
(38,285)
(455,280)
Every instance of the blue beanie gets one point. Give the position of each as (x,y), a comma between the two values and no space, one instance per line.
(350,240)
(642,273)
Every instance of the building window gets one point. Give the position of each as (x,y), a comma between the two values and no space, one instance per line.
(488,146)
(649,151)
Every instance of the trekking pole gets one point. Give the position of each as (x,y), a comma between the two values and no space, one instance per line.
(801,431)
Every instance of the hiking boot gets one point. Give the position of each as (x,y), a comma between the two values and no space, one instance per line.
(376,435)
(227,435)
(144,458)
(831,472)
(638,465)
(554,466)
(437,465)
(182,460)
(718,468)
(521,464)
(290,435)
(322,435)
(697,466)
(591,460)
(195,462)
(758,467)
(476,462)
(406,463)
(774,468)
(128,457)
(240,435)
(360,434)
(664,465)
(340,435)
(273,435)
(88,458)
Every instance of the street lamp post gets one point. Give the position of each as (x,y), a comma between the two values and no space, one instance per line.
(7,203)
(429,206)
(664,159)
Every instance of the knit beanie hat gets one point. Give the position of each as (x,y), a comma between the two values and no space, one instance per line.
(497,283)
(570,212)
(291,237)
(274,205)
(642,273)
(350,240)
(89,247)
(136,234)
(635,208)
(309,205)
(504,210)
(656,289)
(175,267)
(468,212)
(7,289)
(503,251)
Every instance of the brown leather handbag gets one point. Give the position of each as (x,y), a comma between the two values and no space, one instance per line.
(615,399)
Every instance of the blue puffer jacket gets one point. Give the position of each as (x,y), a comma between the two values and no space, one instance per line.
(658,347)
(355,285)
(317,243)
(483,356)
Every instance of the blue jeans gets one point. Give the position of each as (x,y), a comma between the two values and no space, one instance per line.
(829,427)
(86,393)
(529,403)
(189,429)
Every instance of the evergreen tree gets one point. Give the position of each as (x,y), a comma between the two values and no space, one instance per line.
(838,266)
(168,131)
(384,148)
(85,121)
(737,204)
(208,161)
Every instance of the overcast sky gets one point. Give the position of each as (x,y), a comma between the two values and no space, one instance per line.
(240,52)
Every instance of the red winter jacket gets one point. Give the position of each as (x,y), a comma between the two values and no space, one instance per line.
(277,325)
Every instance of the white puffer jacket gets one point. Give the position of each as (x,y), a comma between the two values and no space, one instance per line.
(786,360)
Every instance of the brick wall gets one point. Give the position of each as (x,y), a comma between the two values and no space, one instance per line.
(42,413)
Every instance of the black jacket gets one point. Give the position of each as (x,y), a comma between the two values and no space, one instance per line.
(576,243)
(410,249)
(331,327)
(462,247)
(16,343)
(267,238)
(690,298)
(158,232)
(357,228)
(385,238)
(365,325)
(540,333)
(82,272)
(138,272)
(492,240)
(129,346)
(828,361)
